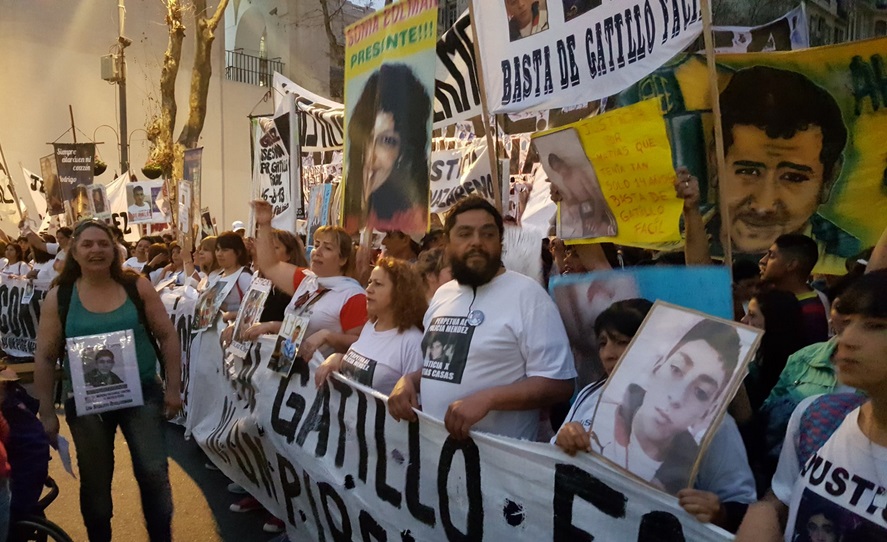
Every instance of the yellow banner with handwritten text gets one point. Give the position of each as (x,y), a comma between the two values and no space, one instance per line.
(621,187)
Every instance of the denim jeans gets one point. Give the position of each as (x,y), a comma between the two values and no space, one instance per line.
(144,432)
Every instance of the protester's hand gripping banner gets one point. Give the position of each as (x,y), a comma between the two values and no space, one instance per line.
(334,465)
(389,82)
(542,54)
(615,175)
(820,174)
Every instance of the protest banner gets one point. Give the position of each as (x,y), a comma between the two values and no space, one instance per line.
(786,33)
(10,212)
(180,305)
(117,194)
(18,321)
(192,172)
(74,164)
(37,190)
(389,82)
(333,464)
(27,204)
(840,201)
(274,179)
(580,299)
(457,174)
(321,121)
(627,159)
(318,209)
(543,55)
(457,89)
(54,199)
(674,349)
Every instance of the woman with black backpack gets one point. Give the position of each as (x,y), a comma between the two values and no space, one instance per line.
(93,295)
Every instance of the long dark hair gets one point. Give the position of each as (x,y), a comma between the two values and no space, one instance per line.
(783,336)
(233,241)
(393,89)
(71,272)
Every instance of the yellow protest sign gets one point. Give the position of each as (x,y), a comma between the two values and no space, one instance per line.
(615,175)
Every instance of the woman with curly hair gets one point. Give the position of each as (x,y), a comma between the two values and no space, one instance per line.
(387,174)
(390,344)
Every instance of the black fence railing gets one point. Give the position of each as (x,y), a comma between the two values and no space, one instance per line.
(250,69)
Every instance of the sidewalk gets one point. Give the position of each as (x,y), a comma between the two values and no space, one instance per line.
(200,497)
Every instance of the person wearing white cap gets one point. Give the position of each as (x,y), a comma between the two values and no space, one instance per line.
(397,244)
(238,227)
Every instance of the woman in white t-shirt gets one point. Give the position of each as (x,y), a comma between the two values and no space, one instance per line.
(326,293)
(234,261)
(139,255)
(390,344)
(14,264)
(205,258)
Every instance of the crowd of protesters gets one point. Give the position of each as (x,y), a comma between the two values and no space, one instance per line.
(371,318)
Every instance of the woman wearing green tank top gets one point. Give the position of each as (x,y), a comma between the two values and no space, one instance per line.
(100,303)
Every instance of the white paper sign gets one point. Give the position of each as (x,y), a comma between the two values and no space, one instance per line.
(104,372)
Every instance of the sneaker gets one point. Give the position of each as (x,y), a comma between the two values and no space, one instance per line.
(273,525)
(237,489)
(247,504)
(210,466)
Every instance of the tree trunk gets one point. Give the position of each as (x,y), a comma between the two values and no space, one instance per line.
(202,71)
(160,128)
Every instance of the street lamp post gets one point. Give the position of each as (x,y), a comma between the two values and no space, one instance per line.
(124,42)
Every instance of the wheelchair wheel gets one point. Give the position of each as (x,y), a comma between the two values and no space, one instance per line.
(37,529)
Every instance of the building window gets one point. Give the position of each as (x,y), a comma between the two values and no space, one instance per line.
(881,28)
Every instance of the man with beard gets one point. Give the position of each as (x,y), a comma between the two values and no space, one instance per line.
(508,351)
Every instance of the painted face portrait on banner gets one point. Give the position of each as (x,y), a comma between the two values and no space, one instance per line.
(784,138)
(387,179)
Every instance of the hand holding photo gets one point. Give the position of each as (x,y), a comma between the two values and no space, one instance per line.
(249,314)
(657,426)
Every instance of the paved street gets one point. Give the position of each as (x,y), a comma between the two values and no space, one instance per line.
(200,497)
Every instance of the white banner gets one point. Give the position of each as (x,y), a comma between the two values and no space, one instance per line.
(457,174)
(116,192)
(18,320)
(37,192)
(456,88)
(548,56)
(272,175)
(786,33)
(333,463)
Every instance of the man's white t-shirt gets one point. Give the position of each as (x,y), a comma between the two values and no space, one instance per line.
(521,335)
(842,486)
(379,358)
(139,212)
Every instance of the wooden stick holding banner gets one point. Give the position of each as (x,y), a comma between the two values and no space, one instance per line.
(485,119)
(715,97)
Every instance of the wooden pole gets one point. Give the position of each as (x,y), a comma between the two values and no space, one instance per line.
(714,94)
(73,130)
(488,128)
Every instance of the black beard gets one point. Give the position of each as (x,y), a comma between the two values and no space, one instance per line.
(471,277)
